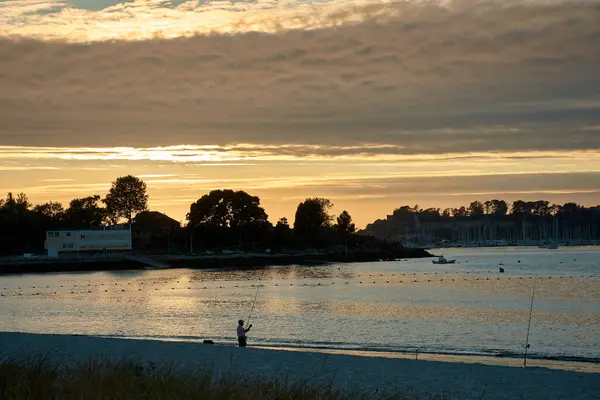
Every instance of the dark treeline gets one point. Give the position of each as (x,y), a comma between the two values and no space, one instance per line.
(23,225)
(493,220)
(221,219)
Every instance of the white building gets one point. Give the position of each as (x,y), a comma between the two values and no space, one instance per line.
(87,240)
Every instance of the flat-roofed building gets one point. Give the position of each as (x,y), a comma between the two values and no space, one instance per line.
(87,240)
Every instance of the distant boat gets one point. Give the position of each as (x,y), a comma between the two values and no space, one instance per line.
(443,260)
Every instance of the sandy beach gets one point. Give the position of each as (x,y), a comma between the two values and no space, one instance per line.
(454,380)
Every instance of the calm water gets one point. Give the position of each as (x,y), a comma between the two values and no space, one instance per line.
(385,306)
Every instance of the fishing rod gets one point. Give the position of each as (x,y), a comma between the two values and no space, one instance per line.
(255,296)
(529,323)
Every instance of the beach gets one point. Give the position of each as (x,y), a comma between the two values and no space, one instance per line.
(451,380)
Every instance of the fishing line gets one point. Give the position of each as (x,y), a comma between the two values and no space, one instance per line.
(529,323)
(255,296)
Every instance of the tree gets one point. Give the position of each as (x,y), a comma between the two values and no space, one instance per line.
(85,212)
(430,214)
(227,209)
(487,207)
(344,223)
(541,208)
(499,207)
(312,214)
(282,223)
(126,198)
(570,209)
(460,212)
(52,209)
(16,205)
(476,208)
(518,207)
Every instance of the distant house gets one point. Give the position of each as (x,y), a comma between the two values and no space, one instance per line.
(154,230)
(58,241)
(153,221)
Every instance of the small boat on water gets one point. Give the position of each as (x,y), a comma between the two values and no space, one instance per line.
(443,260)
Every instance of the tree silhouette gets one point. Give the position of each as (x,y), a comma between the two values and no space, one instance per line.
(52,209)
(227,209)
(85,212)
(344,223)
(126,197)
(476,208)
(313,213)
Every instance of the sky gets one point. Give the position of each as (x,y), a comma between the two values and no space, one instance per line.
(372,104)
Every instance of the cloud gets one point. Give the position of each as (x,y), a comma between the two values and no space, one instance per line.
(423,77)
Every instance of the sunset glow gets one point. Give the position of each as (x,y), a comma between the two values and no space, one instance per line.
(371,104)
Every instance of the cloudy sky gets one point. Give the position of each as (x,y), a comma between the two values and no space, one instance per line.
(373,104)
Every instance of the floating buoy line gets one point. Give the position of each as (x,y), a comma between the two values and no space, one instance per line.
(396,279)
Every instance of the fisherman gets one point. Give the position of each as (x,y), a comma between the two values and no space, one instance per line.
(241,333)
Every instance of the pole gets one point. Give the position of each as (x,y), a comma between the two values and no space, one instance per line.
(529,323)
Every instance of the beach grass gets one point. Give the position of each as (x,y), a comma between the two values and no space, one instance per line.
(99,379)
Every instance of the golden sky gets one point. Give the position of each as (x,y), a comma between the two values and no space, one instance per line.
(371,104)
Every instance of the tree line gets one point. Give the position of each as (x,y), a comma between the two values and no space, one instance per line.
(492,220)
(497,208)
(219,219)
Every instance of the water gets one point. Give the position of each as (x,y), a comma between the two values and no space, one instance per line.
(403,306)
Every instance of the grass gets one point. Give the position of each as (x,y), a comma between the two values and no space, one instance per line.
(99,379)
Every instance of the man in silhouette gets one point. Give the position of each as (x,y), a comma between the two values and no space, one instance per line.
(241,333)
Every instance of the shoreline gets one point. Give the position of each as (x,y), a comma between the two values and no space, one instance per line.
(377,375)
(508,361)
(501,358)
(250,260)
(579,364)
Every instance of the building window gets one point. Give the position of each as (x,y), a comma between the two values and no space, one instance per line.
(64,245)
(70,246)
(56,234)
(50,234)
(68,233)
(82,237)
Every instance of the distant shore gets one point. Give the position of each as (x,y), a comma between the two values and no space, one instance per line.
(116,262)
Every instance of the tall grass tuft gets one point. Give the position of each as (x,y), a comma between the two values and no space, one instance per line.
(100,379)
